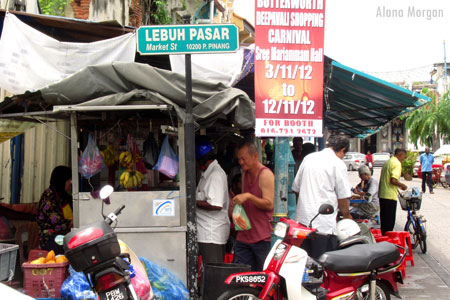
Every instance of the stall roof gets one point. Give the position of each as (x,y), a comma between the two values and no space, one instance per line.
(69,30)
(122,83)
(359,104)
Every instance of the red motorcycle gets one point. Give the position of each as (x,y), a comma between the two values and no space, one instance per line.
(362,271)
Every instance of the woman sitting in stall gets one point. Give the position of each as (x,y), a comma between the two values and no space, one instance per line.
(55,209)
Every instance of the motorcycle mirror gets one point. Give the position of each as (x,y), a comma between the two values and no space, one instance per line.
(326,209)
(106,191)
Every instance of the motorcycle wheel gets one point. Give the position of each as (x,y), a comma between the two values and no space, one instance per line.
(409,227)
(240,293)
(382,292)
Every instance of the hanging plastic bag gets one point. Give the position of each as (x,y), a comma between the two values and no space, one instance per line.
(150,152)
(91,161)
(240,219)
(167,160)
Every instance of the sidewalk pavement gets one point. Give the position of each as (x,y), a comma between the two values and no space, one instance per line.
(426,280)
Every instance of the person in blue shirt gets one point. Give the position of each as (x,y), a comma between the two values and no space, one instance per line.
(426,160)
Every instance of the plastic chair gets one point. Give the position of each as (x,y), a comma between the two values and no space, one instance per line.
(405,242)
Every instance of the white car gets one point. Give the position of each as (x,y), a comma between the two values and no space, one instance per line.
(354,160)
(380,158)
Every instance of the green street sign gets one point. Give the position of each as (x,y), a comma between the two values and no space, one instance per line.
(185,39)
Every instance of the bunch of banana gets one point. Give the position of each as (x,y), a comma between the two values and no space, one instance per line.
(126,159)
(131,179)
(109,155)
(137,157)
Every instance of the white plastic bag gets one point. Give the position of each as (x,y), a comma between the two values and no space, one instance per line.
(167,160)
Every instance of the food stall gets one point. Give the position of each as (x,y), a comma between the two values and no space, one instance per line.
(153,222)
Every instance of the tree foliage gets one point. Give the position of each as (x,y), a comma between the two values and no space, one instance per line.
(53,7)
(155,12)
(431,121)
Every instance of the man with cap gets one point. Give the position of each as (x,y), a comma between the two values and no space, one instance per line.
(213,224)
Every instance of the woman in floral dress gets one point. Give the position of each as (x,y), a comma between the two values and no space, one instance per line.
(55,209)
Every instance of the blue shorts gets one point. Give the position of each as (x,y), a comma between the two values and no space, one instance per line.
(251,254)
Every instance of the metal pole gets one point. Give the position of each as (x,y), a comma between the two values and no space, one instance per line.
(189,143)
(211,11)
(74,164)
(282,152)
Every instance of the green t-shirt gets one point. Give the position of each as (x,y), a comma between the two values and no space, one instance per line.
(391,169)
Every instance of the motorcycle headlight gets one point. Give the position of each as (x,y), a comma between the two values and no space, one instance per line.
(281,229)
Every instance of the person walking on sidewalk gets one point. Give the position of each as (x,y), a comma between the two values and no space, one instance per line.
(258,186)
(388,190)
(426,160)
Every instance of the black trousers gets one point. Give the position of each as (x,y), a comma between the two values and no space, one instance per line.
(428,179)
(211,253)
(388,209)
(319,245)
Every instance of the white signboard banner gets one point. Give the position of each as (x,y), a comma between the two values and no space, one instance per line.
(30,60)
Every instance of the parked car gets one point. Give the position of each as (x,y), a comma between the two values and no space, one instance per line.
(354,160)
(380,158)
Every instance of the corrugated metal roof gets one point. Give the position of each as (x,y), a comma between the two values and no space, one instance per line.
(359,104)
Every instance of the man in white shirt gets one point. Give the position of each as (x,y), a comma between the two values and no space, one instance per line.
(213,224)
(322,178)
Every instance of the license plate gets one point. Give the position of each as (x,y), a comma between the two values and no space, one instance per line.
(117,293)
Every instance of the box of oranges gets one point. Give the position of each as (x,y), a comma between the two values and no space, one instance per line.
(44,276)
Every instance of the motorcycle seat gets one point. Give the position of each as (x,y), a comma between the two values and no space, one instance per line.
(353,240)
(360,258)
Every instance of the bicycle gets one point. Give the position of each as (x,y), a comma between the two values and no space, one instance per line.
(411,201)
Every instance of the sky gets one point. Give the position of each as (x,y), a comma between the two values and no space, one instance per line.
(365,35)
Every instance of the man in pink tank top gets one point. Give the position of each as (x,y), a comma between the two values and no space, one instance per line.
(258,185)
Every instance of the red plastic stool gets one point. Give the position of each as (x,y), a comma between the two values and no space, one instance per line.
(228,259)
(381,238)
(375,232)
(405,240)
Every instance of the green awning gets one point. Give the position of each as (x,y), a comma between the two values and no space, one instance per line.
(359,104)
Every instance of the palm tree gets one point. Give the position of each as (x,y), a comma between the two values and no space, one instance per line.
(429,123)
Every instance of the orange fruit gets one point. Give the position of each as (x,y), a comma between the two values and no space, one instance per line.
(61,259)
(50,262)
(50,256)
(40,260)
